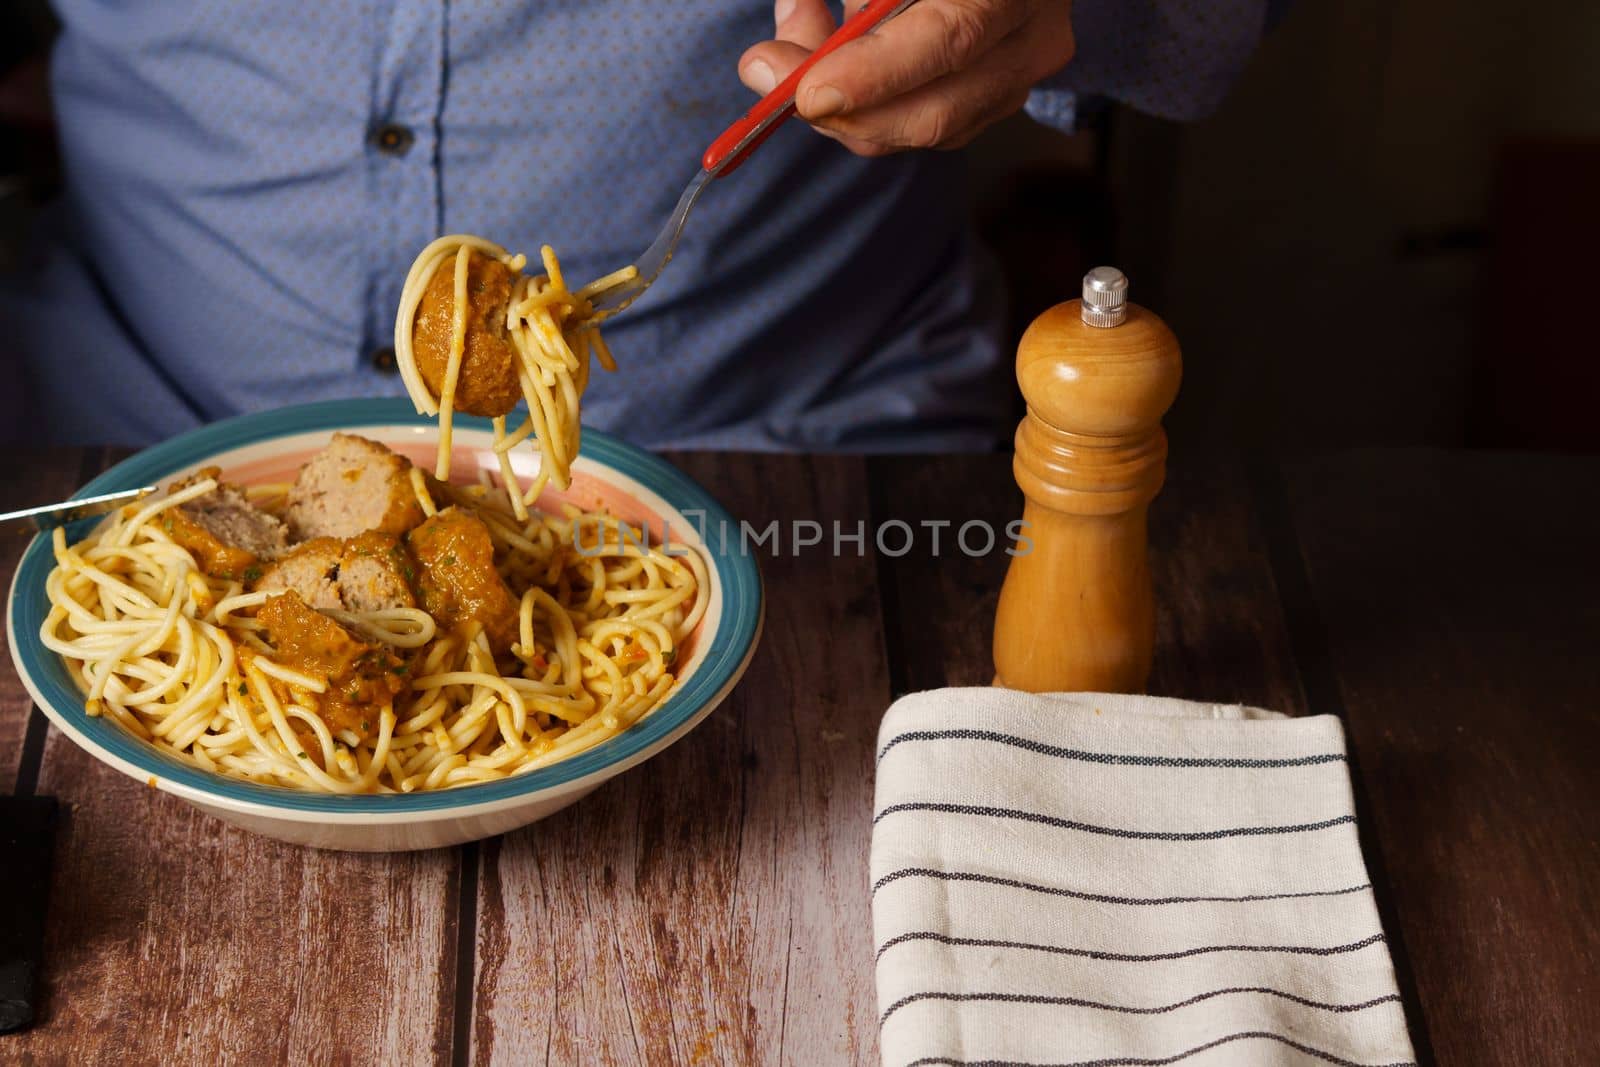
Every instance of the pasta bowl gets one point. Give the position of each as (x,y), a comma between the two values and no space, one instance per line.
(608,474)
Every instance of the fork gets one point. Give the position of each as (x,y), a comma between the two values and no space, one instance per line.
(728,151)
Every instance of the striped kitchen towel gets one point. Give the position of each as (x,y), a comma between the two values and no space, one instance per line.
(1099,880)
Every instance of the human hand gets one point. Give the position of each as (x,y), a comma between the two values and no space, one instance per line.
(933,76)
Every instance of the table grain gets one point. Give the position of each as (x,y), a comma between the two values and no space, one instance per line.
(710,907)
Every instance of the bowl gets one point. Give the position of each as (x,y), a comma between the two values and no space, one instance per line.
(268,447)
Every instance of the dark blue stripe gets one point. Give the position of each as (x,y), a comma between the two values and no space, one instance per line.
(1076,1002)
(1162,1061)
(1109,831)
(1100,898)
(1106,757)
(1123,957)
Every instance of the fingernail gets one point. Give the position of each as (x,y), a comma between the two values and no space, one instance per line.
(823,101)
(759,77)
(781,12)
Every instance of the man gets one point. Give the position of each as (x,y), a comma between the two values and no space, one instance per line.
(247,184)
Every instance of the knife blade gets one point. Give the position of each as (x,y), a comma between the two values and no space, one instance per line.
(49,516)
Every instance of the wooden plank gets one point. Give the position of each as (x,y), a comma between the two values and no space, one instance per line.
(1219,628)
(35,476)
(939,604)
(711,906)
(1220,632)
(173,934)
(1458,593)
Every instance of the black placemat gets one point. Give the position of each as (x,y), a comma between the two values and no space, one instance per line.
(27,834)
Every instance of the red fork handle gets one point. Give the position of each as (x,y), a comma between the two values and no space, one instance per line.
(731,149)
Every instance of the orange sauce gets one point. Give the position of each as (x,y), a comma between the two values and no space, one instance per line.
(456,577)
(362,678)
(217,558)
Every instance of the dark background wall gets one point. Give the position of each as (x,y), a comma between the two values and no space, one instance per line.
(1387,235)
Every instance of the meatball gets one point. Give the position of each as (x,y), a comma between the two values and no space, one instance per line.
(362,678)
(227,534)
(352,486)
(375,573)
(487,383)
(456,577)
(370,572)
(310,569)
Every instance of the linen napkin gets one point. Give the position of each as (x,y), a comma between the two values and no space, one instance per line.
(1090,879)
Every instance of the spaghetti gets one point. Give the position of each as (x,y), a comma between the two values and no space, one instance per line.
(178,657)
(553,336)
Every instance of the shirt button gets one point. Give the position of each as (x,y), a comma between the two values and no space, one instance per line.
(393,139)
(383,360)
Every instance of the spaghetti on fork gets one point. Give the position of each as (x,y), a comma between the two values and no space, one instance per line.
(473,333)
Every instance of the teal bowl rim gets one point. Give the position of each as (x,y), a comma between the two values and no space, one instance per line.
(724,660)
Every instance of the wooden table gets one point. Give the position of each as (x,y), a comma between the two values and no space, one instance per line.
(711,907)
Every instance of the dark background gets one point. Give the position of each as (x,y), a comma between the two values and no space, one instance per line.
(1386,236)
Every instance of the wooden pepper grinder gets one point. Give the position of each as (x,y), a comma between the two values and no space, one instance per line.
(1076,612)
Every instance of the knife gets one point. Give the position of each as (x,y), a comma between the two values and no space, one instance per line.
(49,516)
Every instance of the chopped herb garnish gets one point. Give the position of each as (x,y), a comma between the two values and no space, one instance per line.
(252,574)
(401,669)
(669,656)
(449,561)
(244,688)
(302,755)
(365,725)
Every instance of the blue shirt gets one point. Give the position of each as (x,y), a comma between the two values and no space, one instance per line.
(236,227)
